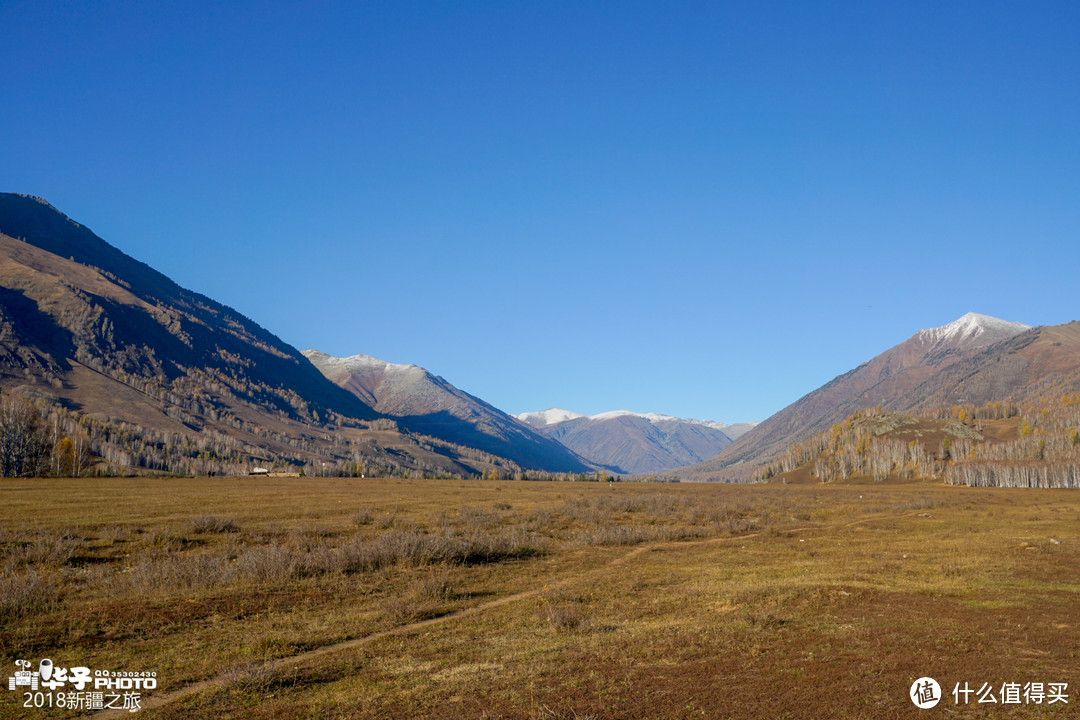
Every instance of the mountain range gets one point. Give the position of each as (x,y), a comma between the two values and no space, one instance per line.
(163,378)
(975,359)
(635,443)
(102,335)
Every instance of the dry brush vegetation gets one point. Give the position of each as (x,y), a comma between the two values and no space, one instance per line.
(627,601)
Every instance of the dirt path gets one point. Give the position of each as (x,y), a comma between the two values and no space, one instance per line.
(155,701)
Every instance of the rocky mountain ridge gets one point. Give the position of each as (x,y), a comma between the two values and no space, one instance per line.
(429,404)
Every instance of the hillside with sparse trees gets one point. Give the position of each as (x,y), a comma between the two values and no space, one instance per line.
(998,444)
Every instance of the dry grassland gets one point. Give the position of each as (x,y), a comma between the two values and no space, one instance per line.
(344,598)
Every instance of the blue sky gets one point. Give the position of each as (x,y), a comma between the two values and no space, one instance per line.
(700,209)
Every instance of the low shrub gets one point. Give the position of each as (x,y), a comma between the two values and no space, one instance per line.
(26,593)
(213,524)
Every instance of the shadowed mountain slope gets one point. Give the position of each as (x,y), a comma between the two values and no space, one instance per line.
(111,339)
(429,404)
(115,314)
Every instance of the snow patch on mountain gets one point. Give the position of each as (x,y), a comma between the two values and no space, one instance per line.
(716,425)
(357,362)
(554,416)
(551,416)
(658,418)
(651,417)
(973,330)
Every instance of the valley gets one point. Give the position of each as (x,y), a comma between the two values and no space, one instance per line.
(540,361)
(410,550)
(113,362)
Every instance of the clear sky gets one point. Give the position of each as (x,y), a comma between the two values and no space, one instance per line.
(699,209)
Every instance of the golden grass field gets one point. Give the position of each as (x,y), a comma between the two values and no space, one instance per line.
(347,598)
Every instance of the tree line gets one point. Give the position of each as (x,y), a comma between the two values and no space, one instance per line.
(1042,449)
(30,446)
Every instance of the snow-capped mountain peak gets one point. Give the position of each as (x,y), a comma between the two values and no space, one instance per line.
(974,329)
(357,362)
(658,418)
(551,416)
(651,417)
(554,416)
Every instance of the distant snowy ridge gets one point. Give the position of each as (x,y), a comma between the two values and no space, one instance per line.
(651,417)
(553,416)
(634,443)
(550,416)
(973,329)
(657,418)
(357,362)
